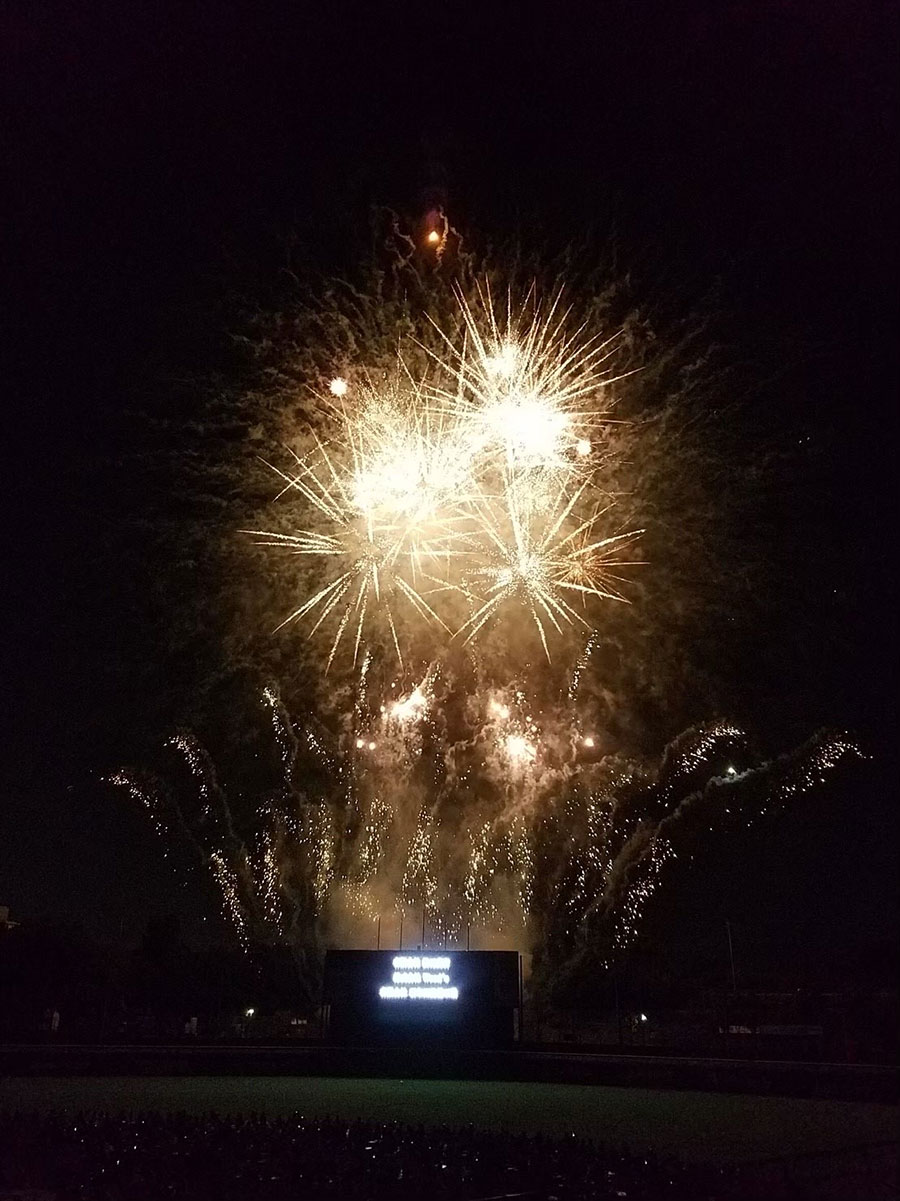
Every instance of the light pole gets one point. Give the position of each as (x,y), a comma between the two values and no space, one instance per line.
(731,955)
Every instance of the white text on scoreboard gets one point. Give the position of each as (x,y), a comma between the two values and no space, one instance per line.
(420,978)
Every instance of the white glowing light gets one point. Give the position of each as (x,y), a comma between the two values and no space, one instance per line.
(464,484)
(438,963)
(587,740)
(529,426)
(433,238)
(519,749)
(498,710)
(360,743)
(503,362)
(420,978)
(392,992)
(583,447)
(371,746)
(410,708)
(250,1012)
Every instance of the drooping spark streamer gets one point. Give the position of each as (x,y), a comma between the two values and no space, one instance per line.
(147,797)
(583,852)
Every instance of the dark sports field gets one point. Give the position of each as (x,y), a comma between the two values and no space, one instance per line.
(694,1126)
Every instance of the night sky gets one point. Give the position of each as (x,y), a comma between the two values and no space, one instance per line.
(158,159)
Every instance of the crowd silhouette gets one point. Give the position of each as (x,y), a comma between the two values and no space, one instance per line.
(154,1157)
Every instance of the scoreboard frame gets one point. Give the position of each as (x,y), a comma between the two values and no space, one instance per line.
(466,998)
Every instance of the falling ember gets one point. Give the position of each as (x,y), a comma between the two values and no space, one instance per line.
(338,387)
(433,237)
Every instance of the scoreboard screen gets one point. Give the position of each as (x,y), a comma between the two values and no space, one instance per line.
(373,995)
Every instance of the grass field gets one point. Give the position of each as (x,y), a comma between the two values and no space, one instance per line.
(695,1126)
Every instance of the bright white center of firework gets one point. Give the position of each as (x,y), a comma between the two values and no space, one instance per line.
(502,364)
(410,708)
(406,481)
(530,567)
(528,425)
(527,571)
(386,487)
(338,387)
(519,749)
(583,447)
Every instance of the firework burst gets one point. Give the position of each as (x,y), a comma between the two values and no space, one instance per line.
(474,482)
(471,484)
(536,559)
(532,383)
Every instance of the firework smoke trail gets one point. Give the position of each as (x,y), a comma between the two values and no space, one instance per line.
(464,516)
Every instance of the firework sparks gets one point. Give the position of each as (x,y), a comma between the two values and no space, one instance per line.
(437,512)
(519,750)
(619,831)
(410,708)
(532,383)
(539,562)
(427,489)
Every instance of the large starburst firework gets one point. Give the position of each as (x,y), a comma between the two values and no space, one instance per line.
(479,481)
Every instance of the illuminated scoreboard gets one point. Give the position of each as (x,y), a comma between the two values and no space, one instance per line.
(465,996)
(420,978)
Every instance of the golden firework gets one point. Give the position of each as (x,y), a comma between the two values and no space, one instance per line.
(475,481)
